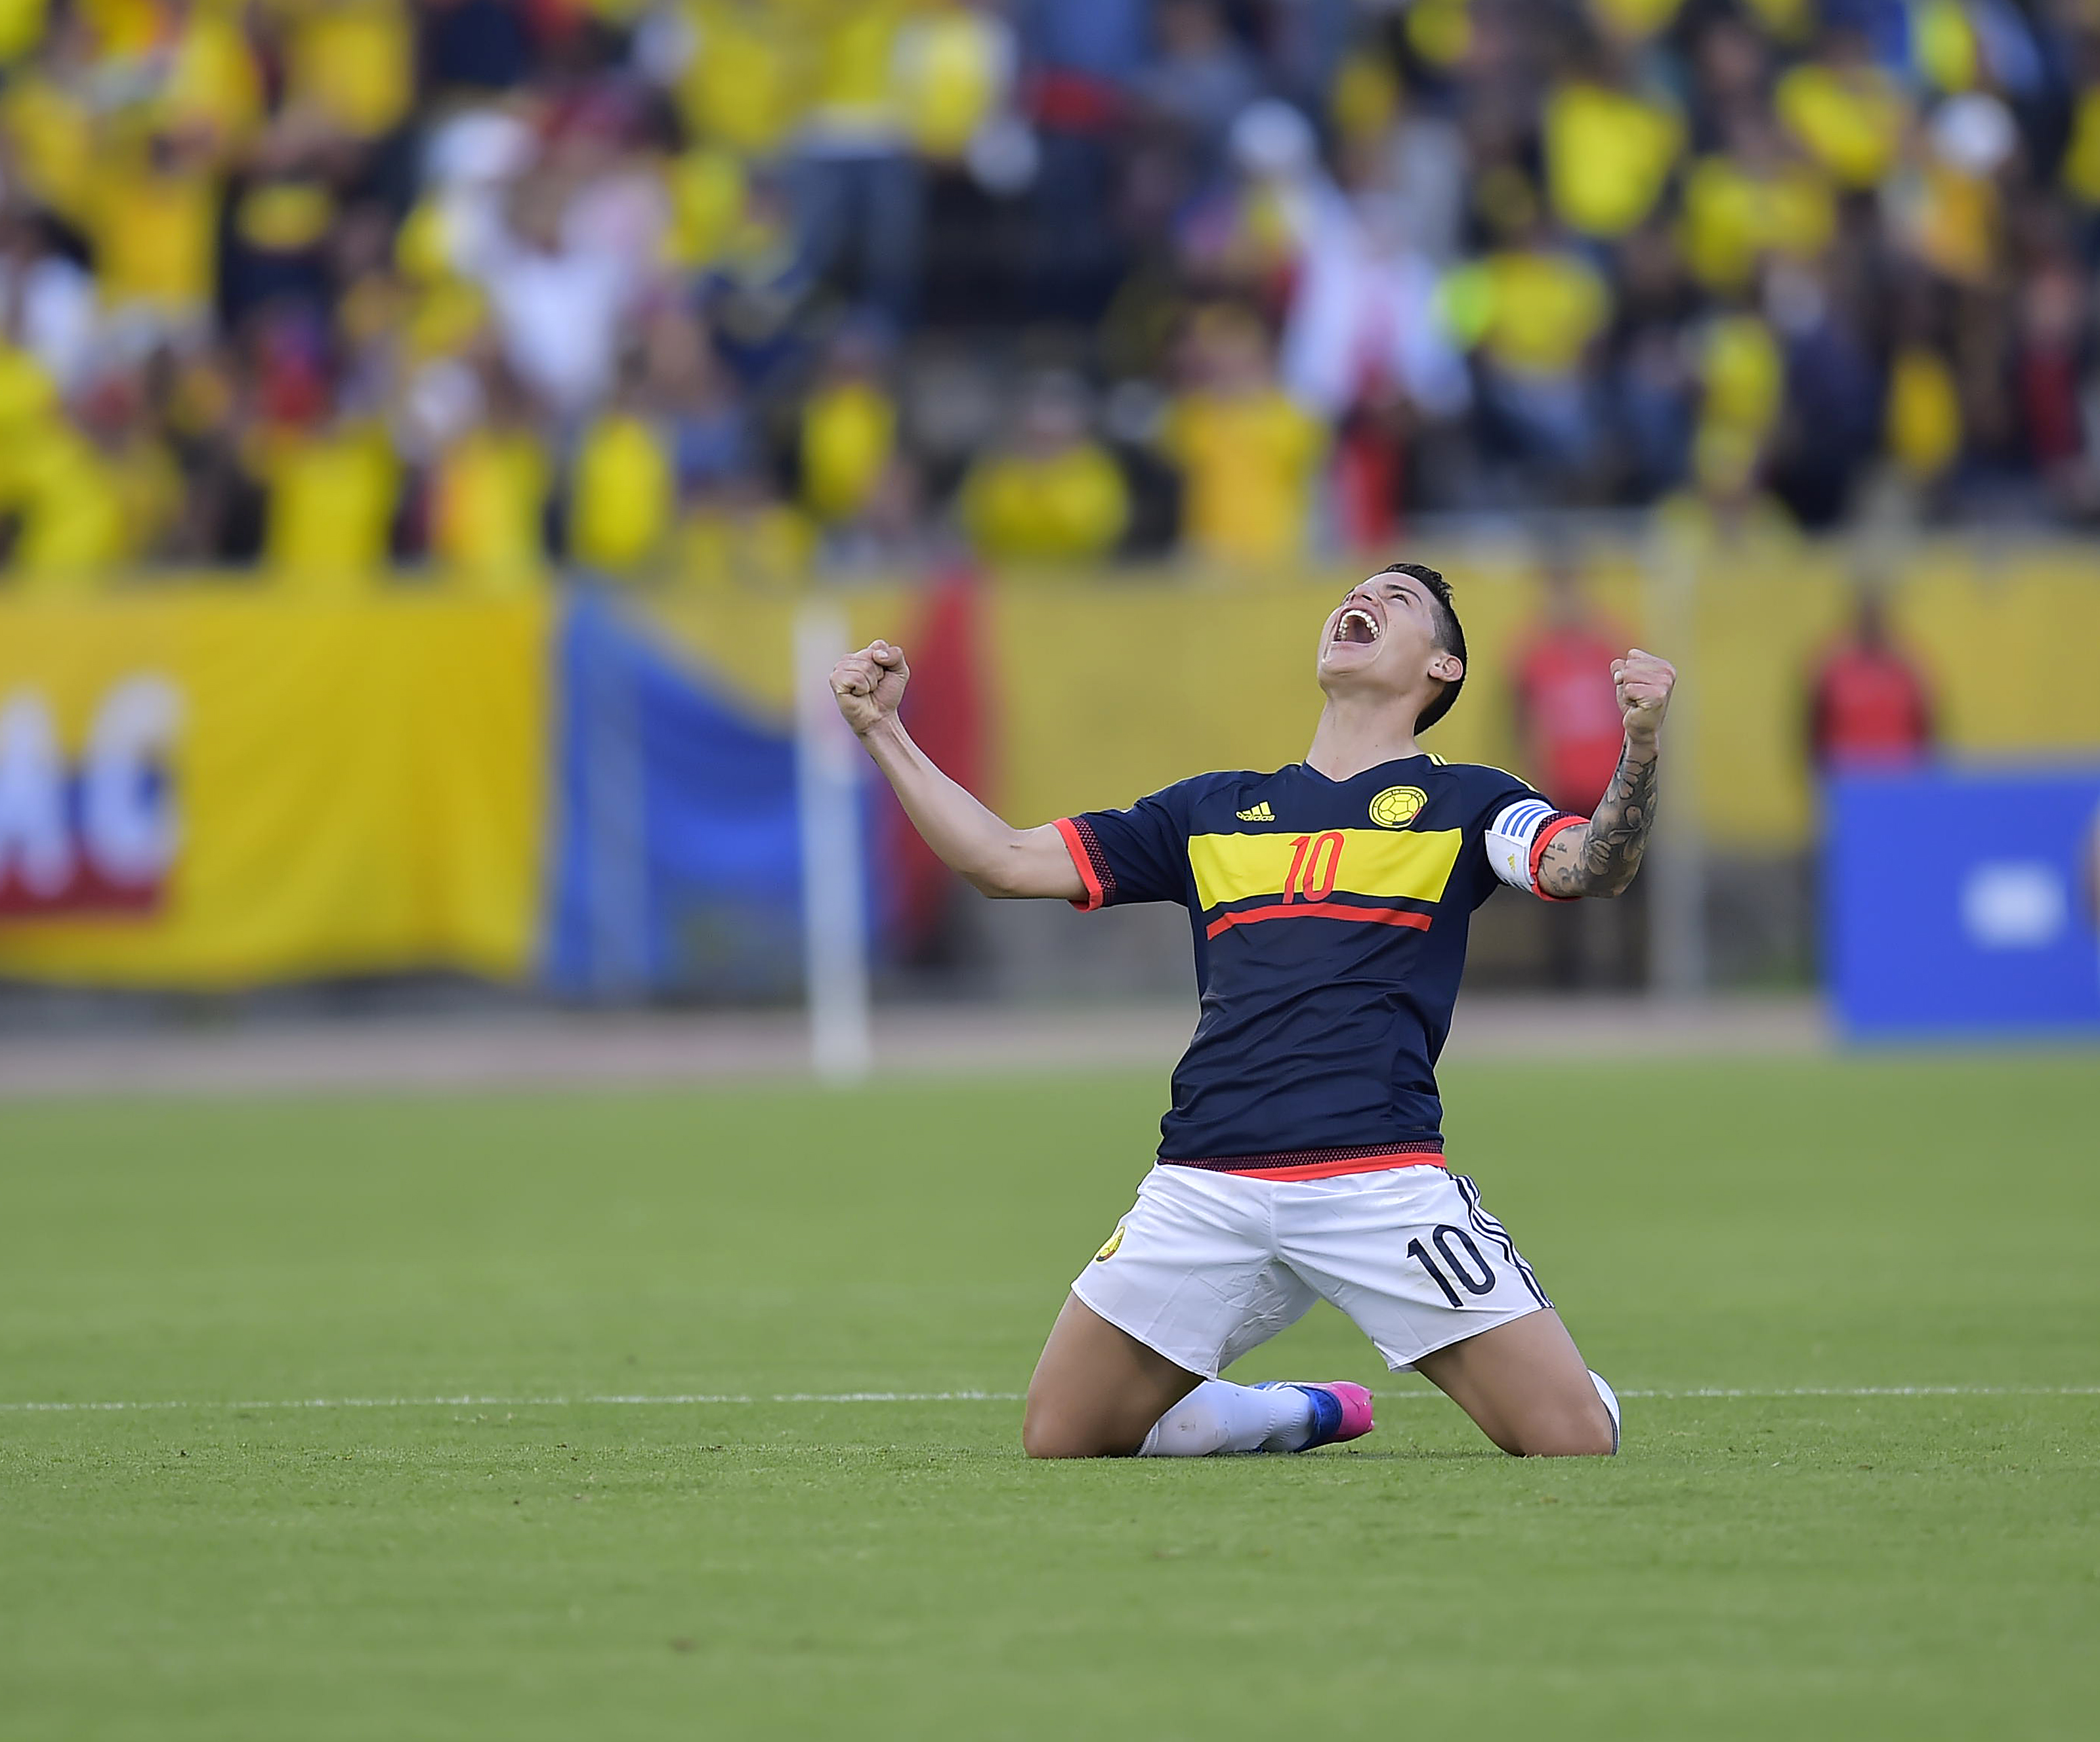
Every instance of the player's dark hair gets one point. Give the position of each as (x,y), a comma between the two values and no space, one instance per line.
(1450,637)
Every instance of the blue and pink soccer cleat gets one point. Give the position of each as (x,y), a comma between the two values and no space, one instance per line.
(1340,1411)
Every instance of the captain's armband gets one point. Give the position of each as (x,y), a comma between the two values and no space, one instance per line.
(1517,840)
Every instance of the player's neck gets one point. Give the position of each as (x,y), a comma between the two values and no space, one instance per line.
(1356,734)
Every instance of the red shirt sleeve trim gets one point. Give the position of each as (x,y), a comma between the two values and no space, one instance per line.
(1083,861)
(1538,852)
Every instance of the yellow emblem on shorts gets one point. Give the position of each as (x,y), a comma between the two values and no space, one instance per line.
(1398,806)
(1115,1239)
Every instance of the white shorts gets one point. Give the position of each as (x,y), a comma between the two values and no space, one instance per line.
(1207,1266)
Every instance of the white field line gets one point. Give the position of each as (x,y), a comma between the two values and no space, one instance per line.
(536,1403)
(689,1398)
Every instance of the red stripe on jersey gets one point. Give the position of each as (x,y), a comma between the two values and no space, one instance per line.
(1297,1161)
(1330,1169)
(1082,861)
(1317,910)
(1538,853)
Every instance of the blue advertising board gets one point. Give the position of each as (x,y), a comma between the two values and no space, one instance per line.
(1961,901)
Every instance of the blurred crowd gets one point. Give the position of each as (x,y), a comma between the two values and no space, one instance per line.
(744,289)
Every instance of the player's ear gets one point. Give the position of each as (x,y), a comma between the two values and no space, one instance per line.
(1446,665)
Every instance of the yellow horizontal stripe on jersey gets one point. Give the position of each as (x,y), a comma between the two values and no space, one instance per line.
(1409,864)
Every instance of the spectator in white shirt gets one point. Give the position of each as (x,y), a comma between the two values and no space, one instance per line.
(46,302)
(558,306)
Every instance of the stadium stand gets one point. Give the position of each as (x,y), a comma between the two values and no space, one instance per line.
(713,290)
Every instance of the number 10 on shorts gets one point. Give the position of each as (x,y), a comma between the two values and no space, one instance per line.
(1472,1271)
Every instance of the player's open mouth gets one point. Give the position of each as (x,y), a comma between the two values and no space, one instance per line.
(1358,626)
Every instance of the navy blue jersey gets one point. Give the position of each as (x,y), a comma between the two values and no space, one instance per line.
(1330,919)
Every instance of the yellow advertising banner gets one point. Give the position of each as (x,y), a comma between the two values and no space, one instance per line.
(1106,686)
(214,788)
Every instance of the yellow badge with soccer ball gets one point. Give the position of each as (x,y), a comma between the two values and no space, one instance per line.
(1114,1240)
(1398,806)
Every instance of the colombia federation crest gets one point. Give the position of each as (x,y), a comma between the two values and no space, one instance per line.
(1398,806)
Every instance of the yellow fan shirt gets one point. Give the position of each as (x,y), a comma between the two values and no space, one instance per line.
(21,27)
(28,402)
(48,135)
(1247,464)
(745,82)
(214,81)
(331,500)
(2081,162)
(848,433)
(87,512)
(1533,313)
(1608,156)
(855,82)
(1851,122)
(623,494)
(1944,42)
(1953,222)
(1732,217)
(1923,422)
(1440,31)
(710,196)
(489,497)
(123,29)
(949,77)
(1062,507)
(354,61)
(1744,373)
(1789,21)
(155,233)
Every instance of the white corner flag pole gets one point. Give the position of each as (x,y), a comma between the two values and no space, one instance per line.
(834,893)
(1677,904)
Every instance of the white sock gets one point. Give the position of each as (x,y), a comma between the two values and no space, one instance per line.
(1220,1416)
(1611,1403)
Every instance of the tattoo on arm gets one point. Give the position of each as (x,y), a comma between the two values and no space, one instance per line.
(1600,857)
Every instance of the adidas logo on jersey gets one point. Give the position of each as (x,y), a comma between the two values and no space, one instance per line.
(1260,813)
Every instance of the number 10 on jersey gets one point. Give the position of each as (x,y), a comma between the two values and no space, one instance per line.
(1315,862)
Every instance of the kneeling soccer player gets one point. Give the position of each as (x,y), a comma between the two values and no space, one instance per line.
(1302,1158)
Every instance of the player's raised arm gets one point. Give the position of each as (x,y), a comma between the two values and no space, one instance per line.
(968,839)
(1600,857)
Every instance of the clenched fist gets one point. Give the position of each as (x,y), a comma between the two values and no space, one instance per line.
(1644,684)
(869,685)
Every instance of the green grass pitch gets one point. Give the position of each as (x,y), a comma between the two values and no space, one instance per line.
(552,1564)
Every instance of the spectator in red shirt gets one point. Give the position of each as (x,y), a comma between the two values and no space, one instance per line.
(1868,704)
(1569,724)
(1567,715)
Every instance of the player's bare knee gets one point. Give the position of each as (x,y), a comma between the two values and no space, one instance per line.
(1576,1433)
(1587,1441)
(1047,1431)
(1540,1434)
(1054,1442)
(1041,1438)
